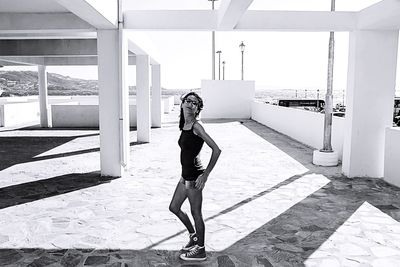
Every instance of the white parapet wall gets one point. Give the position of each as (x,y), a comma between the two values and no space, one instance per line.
(177,99)
(392,156)
(13,99)
(168,103)
(75,115)
(227,98)
(304,126)
(14,114)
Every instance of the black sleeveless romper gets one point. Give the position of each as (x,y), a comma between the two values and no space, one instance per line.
(191,145)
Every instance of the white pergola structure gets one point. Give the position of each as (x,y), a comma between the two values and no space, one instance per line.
(372,62)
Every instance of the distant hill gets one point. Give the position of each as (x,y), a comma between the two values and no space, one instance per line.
(24,83)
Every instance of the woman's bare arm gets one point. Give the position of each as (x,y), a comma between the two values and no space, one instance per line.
(216,151)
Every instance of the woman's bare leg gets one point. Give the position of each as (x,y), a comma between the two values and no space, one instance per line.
(196,199)
(176,204)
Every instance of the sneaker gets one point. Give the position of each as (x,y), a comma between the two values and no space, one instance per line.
(196,254)
(192,242)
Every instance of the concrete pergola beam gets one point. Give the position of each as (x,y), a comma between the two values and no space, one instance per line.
(55,47)
(59,51)
(56,61)
(230,12)
(18,61)
(382,15)
(99,14)
(313,21)
(207,20)
(171,19)
(89,34)
(40,23)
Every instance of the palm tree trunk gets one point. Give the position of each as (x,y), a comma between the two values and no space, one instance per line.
(327,146)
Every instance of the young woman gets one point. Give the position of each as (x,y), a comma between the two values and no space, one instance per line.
(194,176)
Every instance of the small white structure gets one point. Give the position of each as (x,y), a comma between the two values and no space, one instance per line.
(227,99)
(10,113)
(392,156)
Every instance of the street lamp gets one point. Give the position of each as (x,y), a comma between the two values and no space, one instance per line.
(223,70)
(219,64)
(242,46)
(213,45)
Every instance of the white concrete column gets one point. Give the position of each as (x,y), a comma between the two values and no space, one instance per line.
(156,112)
(45,114)
(143,98)
(113,102)
(369,105)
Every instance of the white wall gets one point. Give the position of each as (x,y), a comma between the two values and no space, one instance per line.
(370,90)
(13,99)
(12,114)
(305,126)
(392,156)
(177,99)
(75,115)
(227,98)
(168,103)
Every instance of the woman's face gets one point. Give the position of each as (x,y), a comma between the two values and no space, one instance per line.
(190,104)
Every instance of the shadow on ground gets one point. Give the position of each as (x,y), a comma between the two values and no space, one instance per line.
(287,240)
(17,150)
(32,191)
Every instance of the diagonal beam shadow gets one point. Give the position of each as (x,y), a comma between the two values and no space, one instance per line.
(78,152)
(294,235)
(237,205)
(22,149)
(9,160)
(298,151)
(32,191)
(333,208)
(273,244)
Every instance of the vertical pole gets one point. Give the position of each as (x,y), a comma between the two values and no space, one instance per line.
(112,52)
(213,48)
(242,65)
(219,65)
(143,98)
(156,112)
(343,98)
(223,70)
(327,146)
(43,98)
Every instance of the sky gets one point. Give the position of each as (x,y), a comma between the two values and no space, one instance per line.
(274,60)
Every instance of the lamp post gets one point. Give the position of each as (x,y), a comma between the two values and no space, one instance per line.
(219,64)
(242,46)
(223,70)
(212,46)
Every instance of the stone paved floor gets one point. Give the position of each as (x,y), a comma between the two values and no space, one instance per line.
(265,204)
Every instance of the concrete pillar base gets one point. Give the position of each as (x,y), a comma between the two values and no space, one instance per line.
(326,159)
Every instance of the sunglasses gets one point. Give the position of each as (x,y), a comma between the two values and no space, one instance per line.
(188,101)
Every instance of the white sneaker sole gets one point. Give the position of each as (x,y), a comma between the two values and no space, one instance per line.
(182,256)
